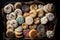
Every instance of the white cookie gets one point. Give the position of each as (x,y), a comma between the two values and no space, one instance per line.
(29,20)
(44,20)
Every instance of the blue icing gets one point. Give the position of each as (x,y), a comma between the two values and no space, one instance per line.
(20,20)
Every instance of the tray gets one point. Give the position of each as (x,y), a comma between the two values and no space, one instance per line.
(28,3)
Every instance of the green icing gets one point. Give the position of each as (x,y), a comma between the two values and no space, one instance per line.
(20,20)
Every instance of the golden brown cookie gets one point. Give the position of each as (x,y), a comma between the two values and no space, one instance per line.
(33,33)
(40,12)
(24,26)
(33,13)
(17,5)
(33,7)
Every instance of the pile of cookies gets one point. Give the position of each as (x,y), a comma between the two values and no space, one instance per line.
(28,21)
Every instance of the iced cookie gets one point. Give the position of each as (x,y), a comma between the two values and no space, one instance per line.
(29,20)
(44,20)
(50,16)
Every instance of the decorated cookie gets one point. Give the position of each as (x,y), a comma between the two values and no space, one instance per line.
(33,7)
(48,8)
(49,34)
(18,12)
(29,20)
(12,16)
(33,13)
(44,20)
(18,5)
(24,26)
(20,19)
(50,16)
(14,23)
(10,27)
(8,8)
(25,8)
(40,28)
(26,33)
(10,33)
(33,33)
(40,12)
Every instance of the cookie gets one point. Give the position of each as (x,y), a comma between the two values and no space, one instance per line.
(44,20)
(20,20)
(40,28)
(24,26)
(25,8)
(18,12)
(12,16)
(10,27)
(10,33)
(49,34)
(17,5)
(40,12)
(29,20)
(8,8)
(33,13)
(26,33)
(50,16)
(33,7)
(33,33)
(14,23)
(48,7)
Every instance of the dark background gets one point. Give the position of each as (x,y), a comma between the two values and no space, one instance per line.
(2,2)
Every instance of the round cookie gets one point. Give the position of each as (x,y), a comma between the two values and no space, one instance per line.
(41,31)
(20,19)
(36,20)
(40,12)
(33,13)
(33,33)
(29,20)
(44,20)
(25,8)
(14,23)
(26,33)
(49,34)
(18,29)
(10,27)
(12,16)
(8,22)
(40,28)
(10,33)
(17,5)
(18,12)
(50,16)
(24,26)
(33,7)
(8,8)
(48,8)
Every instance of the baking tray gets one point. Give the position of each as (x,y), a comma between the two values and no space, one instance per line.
(28,3)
